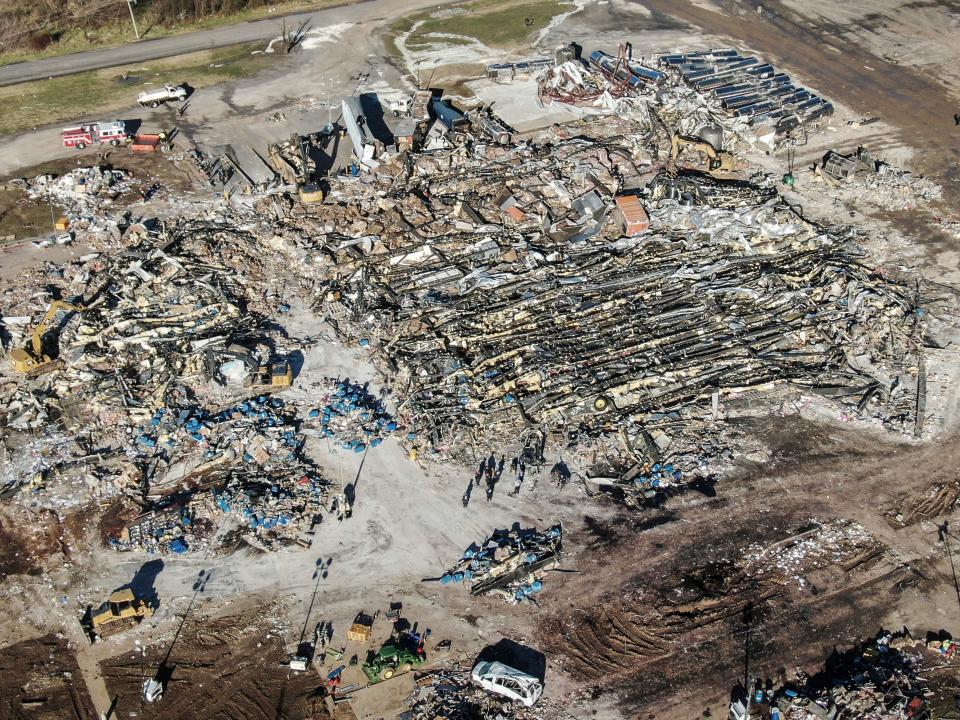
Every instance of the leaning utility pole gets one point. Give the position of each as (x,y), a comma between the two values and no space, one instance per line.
(133,18)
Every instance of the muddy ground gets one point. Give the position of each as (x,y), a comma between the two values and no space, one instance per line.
(39,680)
(666,595)
(227,667)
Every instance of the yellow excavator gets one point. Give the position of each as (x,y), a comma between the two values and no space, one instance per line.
(293,163)
(718,161)
(32,360)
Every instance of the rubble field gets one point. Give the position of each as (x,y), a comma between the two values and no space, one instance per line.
(602,399)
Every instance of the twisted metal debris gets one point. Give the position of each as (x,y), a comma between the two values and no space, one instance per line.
(546,317)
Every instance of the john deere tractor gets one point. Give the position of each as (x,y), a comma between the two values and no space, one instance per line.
(394,656)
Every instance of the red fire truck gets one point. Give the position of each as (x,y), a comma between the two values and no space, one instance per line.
(113,132)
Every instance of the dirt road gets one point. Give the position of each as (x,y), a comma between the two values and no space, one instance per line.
(203,40)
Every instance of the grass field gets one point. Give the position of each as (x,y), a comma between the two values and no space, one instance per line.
(495,23)
(91,94)
(78,38)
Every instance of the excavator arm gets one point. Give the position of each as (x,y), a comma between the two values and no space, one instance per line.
(34,360)
(717,160)
(55,308)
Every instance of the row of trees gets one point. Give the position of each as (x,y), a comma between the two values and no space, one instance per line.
(36,24)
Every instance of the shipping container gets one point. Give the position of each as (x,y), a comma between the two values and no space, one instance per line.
(633,216)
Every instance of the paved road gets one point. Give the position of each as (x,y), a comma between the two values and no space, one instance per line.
(190,42)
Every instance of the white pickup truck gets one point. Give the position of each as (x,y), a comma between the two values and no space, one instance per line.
(154,98)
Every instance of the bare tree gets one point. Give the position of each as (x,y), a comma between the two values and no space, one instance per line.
(293,37)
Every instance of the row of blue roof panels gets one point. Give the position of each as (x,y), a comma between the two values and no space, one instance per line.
(695,70)
(678,58)
(718,82)
(634,73)
(748,87)
(808,111)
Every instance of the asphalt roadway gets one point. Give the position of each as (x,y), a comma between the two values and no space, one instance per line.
(143,50)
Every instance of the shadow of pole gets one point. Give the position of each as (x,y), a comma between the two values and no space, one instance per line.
(319,573)
(944,534)
(748,621)
(163,672)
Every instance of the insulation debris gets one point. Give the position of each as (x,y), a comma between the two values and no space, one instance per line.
(448,693)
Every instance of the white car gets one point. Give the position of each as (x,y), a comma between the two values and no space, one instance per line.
(504,680)
(152,690)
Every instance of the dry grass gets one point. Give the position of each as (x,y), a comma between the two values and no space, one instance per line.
(22,24)
(495,23)
(90,95)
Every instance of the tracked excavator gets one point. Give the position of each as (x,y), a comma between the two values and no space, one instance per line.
(32,360)
(718,161)
(293,163)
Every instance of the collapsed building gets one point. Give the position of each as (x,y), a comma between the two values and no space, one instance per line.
(571,286)
(499,289)
(134,386)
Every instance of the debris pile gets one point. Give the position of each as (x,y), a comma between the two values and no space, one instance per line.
(249,457)
(501,292)
(878,679)
(448,693)
(510,563)
(573,83)
(352,416)
(858,177)
(133,386)
(735,95)
(86,192)
(840,543)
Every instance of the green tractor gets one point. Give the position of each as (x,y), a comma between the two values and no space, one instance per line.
(395,655)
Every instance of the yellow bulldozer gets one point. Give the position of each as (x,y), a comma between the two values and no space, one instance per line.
(32,360)
(122,611)
(718,161)
(275,376)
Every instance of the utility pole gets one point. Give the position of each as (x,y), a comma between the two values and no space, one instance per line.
(133,18)
(748,621)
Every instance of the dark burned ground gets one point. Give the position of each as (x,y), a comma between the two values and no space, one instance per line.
(39,680)
(226,668)
(26,540)
(31,540)
(659,615)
